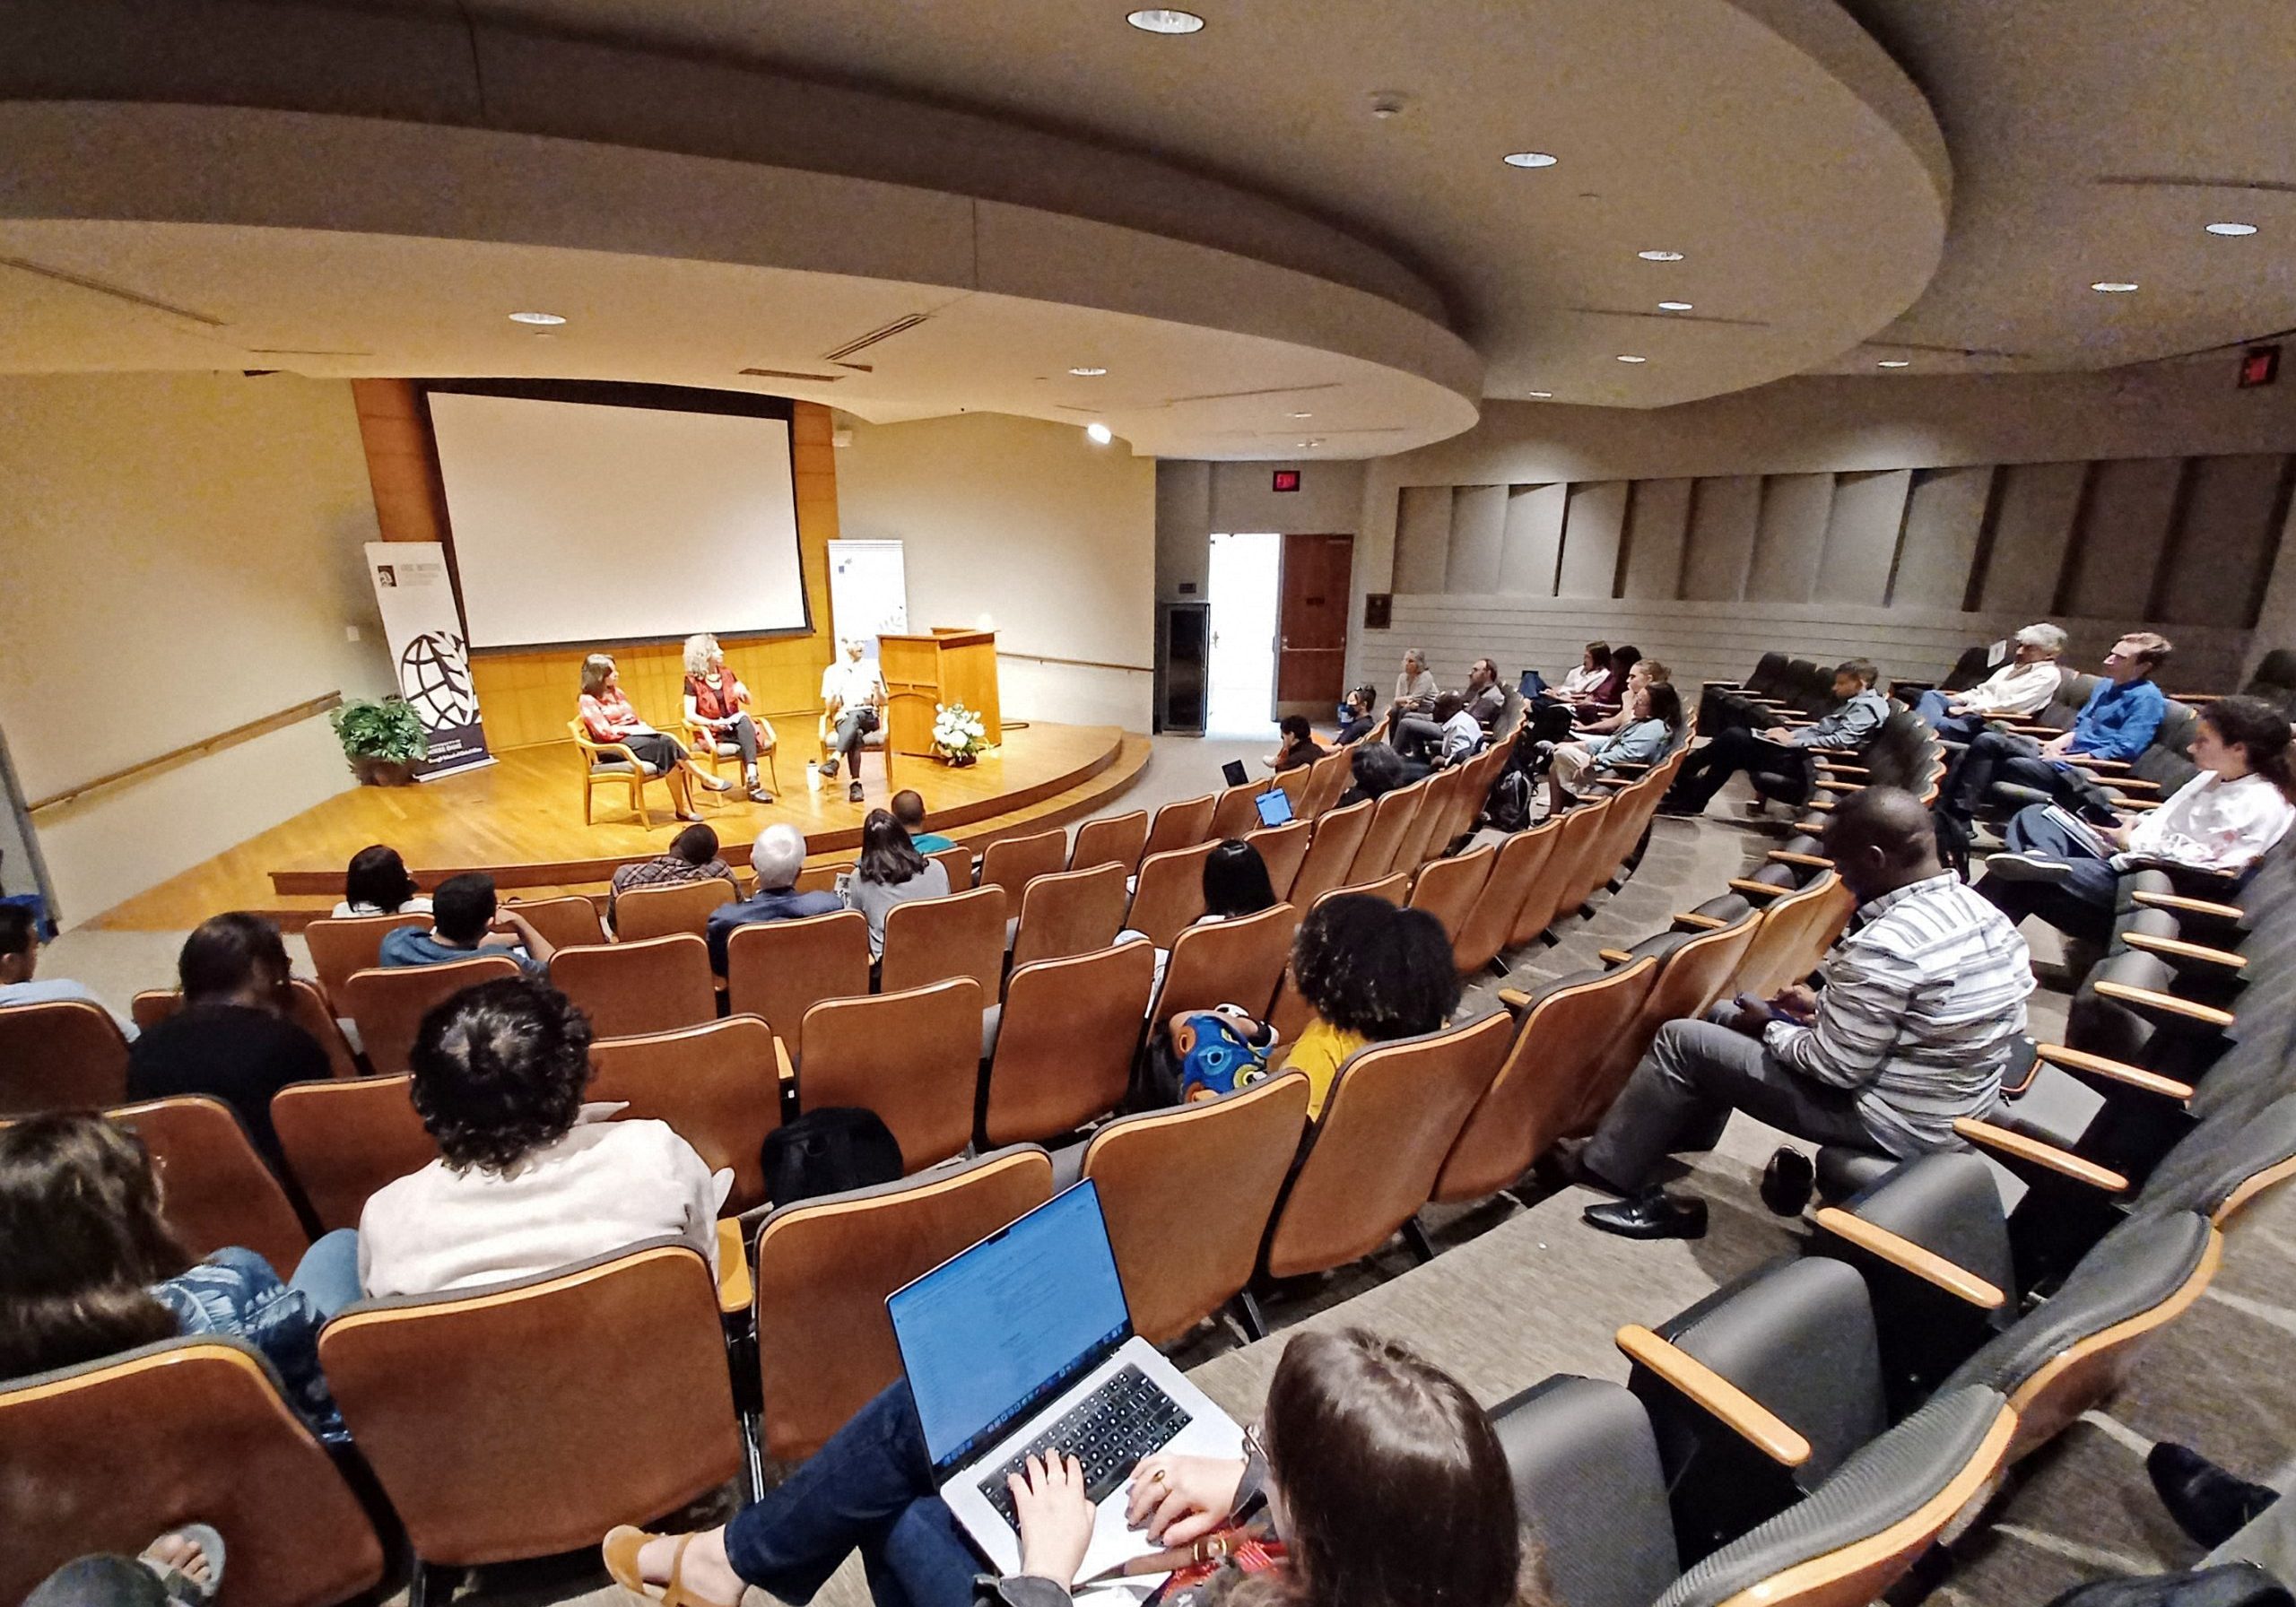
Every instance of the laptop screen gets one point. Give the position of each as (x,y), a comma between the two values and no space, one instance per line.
(1275,807)
(988,1335)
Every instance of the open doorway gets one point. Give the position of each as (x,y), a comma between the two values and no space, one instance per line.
(1245,589)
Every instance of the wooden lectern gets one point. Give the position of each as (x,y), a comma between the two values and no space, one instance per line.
(948,666)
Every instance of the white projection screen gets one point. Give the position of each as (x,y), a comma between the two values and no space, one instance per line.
(576,522)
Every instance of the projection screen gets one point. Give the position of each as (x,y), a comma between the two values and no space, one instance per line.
(574,522)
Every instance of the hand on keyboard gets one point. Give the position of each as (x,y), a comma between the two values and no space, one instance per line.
(1182,1499)
(1056,1517)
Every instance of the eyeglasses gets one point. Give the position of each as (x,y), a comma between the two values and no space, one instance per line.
(1254,1446)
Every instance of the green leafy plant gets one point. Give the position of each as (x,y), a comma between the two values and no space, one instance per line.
(388,728)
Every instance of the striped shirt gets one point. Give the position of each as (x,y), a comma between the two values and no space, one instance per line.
(1923,1000)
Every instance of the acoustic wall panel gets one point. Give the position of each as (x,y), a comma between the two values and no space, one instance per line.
(1722,516)
(1944,514)
(2223,545)
(1862,536)
(1592,522)
(1657,522)
(1422,537)
(1531,550)
(2033,531)
(1789,538)
(2123,533)
(1478,513)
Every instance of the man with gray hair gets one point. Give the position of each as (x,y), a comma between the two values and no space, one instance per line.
(2019,690)
(776,859)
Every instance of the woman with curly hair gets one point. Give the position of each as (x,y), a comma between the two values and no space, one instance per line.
(525,1181)
(1374,973)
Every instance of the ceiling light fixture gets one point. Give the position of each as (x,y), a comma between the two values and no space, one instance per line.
(1316,442)
(1894,363)
(1099,434)
(1528,159)
(1303,415)
(1659,255)
(539,318)
(1159,19)
(2232,230)
(2114,287)
(1540,395)
(1630,357)
(1088,372)
(1674,307)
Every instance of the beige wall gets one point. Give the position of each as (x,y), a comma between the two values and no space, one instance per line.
(181,554)
(1030,528)
(1195,500)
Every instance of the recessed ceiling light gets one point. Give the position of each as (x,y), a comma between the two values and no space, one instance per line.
(1674,307)
(1528,159)
(1540,395)
(1659,255)
(2231,230)
(1630,357)
(545,318)
(1316,442)
(1303,415)
(1894,363)
(1099,434)
(1159,19)
(2114,287)
(1088,372)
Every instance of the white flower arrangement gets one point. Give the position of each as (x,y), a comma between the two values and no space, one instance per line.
(958,733)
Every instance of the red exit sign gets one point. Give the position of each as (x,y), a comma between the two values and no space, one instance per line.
(2259,365)
(1287,480)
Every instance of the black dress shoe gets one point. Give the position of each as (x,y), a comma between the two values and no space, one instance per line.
(853,791)
(1651,1214)
(1787,1180)
(1680,808)
(2209,1504)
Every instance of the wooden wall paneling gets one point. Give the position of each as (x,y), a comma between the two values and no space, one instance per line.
(2032,533)
(1531,549)
(1944,515)
(1789,537)
(1862,528)
(2222,546)
(1657,522)
(1594,522)
(1478,521)
(1422,537)
(402,463)
(2118,544)
(1721,541)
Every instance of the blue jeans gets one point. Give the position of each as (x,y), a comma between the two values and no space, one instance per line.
(870,1488)
(328,1276)
(1952,727)
(99,1581)
(2081,908)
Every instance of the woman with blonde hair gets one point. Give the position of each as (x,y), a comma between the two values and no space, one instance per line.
(608,717)
(717,701)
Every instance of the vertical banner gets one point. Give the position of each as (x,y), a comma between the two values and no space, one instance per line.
(428,653)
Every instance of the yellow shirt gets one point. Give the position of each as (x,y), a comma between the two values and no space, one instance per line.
(1318,1053)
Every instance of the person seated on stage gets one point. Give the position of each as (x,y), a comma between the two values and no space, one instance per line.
(377,884)
(1416,690)
(1919,1008)
(2220,821)
(608,717)
(1388,1481)
(1372,973)
(1646,671)
(908,809)
(715,698)
(232,1041)
(1594,669)
(693,858)
(1376,770)
(1656,714)
(2017,691)
(1779,752)
(466,920)
(89,1266)
(20,957)
(1355,716)
(523,1181)
(2119,722)
(1296,744)
(776,859)
(890,872)
(852,693)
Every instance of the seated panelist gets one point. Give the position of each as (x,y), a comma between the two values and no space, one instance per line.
(608,717)
(717,701)
(852,693)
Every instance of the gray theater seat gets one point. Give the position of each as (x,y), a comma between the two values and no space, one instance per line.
(1590,1489)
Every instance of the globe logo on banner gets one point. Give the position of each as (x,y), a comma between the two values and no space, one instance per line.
(434,676)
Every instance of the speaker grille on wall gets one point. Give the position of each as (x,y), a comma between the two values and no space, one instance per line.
(1379,608)
(1183,649)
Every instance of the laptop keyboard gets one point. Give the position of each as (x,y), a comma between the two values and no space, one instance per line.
(1109,1430)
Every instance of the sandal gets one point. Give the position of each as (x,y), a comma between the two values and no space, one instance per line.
(757,795)
(179,1586)
(622,1544)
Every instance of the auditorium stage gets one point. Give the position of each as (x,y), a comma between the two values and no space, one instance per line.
(520,819)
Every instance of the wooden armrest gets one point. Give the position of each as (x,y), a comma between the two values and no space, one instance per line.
(2033,1151)
(1702,923)
(2176,948)
(2083,1063)
(1822,806)
(1840,786)
(1756,889)
(2115,782)
(2183,905)
(2146,998)
(1830,764)
(1816,862)
(782,1069)
(2199,697)
(733,1289)
(1909,1257)
(2138,804)
(1515,999)
(1613,956)
(1756,1423)
(2027,728)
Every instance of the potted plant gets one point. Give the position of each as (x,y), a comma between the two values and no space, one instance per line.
(959,737)
(382,739)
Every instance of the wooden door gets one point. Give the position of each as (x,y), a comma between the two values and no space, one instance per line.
(1311,663)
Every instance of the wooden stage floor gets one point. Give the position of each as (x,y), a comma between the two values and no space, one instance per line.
(521,821)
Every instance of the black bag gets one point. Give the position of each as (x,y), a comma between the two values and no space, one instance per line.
(2228,1584)
(828,1152)
(1508,807)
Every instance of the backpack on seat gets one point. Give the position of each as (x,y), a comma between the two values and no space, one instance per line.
(827,1151)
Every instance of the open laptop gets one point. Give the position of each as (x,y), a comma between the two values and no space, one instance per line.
(1274,806)
(1024,1343)
(1234,774)
(1534,685)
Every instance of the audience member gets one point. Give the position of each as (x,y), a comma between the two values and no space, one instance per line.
(608,717)
(2019,690)
(1439,740)
(466,920)
(890,872)
(89,1266)
(1917,1011)
(377,884)
(908,809)
(1646,671)
(1609,693)
(693,858)
(1355,717)
(1296,744)
(1372,973)
(1655,715)
(183,1568)
(2119,722)
(852,693)
(1594,669)
(1486,698)
(1416,690)
(776,859)
(1387,1482)
(1375,769)
(231,1039)
(1235,881)
(1781,752)
(525,1181)
(715,699)
(20,957)
(2220,821)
